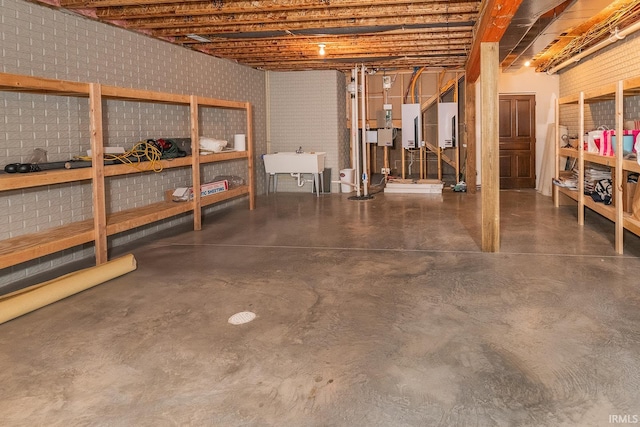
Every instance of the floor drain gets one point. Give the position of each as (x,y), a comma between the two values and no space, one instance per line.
(242,317)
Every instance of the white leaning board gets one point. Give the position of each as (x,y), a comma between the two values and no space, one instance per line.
(407,186)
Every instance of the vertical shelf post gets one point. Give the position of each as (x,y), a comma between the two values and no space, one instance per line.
(556,151)
(581,161)
(195,163)
(251,157)
(97,174)
(617,179)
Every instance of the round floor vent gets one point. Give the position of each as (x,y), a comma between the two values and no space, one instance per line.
(242,318)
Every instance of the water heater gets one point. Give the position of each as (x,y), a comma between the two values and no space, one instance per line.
(447,124)
(411,126)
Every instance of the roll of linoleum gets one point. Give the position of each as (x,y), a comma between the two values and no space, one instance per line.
(37,296)
(239,142)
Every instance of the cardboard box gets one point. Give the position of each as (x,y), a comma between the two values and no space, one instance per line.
(183,194)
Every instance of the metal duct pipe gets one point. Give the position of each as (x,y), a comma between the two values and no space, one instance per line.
(618,35)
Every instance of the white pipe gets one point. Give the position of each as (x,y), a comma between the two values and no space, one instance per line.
(354,126)
(618,35)
(298,175)
(363,103)
(354,133)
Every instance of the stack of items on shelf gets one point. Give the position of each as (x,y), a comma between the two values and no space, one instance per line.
(567,179)
(597,183)
(593,173)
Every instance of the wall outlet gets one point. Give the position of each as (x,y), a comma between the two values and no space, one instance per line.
(385,171)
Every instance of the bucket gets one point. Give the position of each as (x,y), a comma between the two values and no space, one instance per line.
(346,176)
(239,142)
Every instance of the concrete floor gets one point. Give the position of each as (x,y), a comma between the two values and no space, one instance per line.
(376,313)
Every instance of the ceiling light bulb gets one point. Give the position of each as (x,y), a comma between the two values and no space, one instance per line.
(527,64)
(321,51)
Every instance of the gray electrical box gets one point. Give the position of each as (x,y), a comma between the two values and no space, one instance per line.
(385,137)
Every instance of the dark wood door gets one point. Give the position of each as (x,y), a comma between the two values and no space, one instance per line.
(517,141)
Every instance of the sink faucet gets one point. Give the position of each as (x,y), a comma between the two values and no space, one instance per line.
(299,150)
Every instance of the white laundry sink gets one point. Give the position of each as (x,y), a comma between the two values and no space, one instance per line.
(292,162)
(295,164)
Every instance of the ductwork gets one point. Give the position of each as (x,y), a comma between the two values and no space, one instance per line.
(539,23)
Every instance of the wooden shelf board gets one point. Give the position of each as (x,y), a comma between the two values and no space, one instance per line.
(603,93)
(601,160)
(223,156)
(220,103)
(607,211)
(14,181)
(224,195)
(138,95)
(568,152)
(570,99)
(568,192)
(631,165)
(631,224)
(125,168)
(26,247)
(631,86)
(136,217)
(20,83)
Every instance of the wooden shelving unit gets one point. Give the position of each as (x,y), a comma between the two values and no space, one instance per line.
(619,166)
(23,248)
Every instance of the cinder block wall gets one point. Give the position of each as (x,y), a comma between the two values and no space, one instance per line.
(308,110)
(616,62)
(39,41)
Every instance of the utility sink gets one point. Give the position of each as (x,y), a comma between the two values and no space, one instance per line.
(295,164)
(292,162)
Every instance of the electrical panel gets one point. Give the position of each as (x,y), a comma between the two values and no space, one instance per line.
(385,137)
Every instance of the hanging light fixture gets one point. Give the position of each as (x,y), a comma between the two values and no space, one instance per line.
(321,52)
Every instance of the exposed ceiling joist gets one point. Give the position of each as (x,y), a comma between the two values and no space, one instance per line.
(495,18)
(286,34)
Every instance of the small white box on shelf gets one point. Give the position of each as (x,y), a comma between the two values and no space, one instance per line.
(183,194)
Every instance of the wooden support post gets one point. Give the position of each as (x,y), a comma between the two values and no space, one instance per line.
(470,128)
(490,148)
(456,147)
(97,173)
(403,151)
(386,159)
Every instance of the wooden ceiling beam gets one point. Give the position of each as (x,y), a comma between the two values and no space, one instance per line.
(191,28)
(294,41)
(289,54)
(239,6)
(400,63)
(139,11)
(400,35)
(312,19)
(495,17)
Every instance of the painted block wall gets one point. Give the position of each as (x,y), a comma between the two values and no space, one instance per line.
(42,42)
(307,110)
(620,60)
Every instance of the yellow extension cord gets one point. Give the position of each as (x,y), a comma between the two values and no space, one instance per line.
(135,157)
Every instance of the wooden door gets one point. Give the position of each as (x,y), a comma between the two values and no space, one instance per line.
(517,141)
